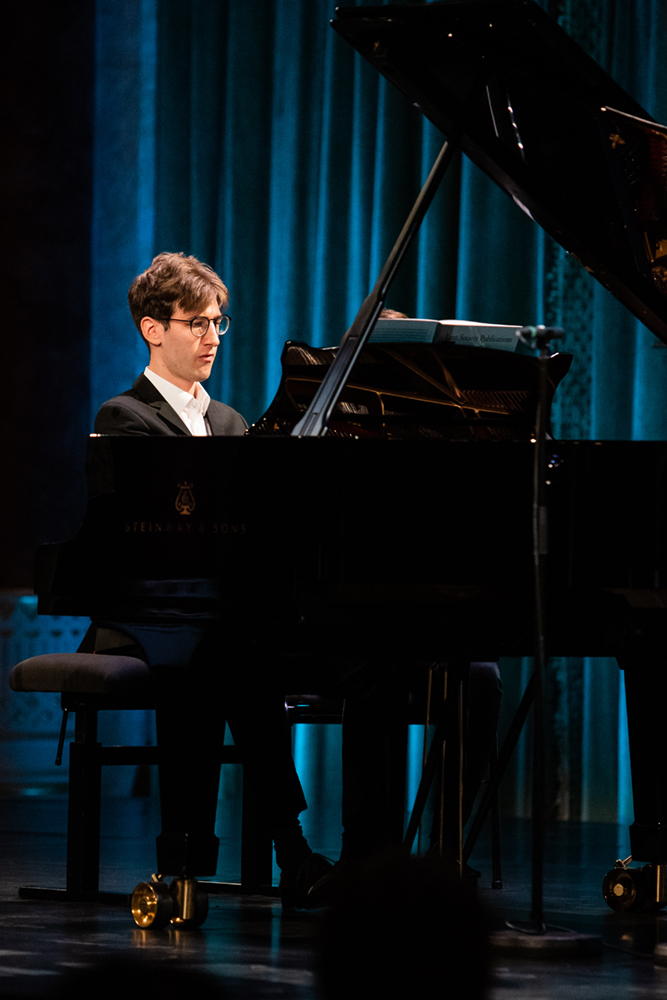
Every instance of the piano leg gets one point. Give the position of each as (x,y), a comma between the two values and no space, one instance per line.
(646,697)
(375,718)
(190,723)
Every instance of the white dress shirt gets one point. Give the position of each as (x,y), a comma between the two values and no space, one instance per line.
(191,409)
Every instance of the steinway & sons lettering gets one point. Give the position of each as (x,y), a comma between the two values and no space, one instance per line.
(184,528)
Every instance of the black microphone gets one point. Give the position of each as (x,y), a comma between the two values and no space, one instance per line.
(550,332)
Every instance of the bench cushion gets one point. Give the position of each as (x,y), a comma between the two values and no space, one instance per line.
(83,673)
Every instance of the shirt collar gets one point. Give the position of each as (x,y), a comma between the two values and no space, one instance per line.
(177,398)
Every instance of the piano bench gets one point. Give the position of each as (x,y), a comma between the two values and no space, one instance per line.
(89,683)
(122,678)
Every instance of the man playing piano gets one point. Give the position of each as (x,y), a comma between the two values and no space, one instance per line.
(178,305)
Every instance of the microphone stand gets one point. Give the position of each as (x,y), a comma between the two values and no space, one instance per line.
(541,338)
(536,935)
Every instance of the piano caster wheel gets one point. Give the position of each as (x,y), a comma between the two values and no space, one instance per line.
(191,903)
(183,904)
(631,889)
(152,905)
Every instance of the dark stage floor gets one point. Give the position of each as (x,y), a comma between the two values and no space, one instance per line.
(254,952)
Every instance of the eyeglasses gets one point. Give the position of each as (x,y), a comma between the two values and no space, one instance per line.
(199,324)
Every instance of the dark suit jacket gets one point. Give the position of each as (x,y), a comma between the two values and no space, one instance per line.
(142,410)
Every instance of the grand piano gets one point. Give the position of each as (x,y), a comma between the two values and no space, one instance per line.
(331,519)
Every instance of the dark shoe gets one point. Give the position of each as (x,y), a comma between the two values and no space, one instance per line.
(310,886)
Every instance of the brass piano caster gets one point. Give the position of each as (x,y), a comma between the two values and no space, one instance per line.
(191,903)
(631,889)
(152,904)
(183,904)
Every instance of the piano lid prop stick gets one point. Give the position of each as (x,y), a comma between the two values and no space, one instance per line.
(314,421)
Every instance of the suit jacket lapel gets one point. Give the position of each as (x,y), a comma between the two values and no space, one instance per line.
(147,393)
(212,417)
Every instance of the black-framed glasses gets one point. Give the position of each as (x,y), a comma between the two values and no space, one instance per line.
(199,324)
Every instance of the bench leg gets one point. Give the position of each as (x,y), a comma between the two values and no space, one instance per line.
(83,814)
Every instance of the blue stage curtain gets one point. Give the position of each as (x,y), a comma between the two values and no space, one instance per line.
(248,133)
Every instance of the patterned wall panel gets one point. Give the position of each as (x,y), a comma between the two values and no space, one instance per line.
(30,722)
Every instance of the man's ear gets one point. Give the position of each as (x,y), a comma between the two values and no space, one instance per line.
(152,330)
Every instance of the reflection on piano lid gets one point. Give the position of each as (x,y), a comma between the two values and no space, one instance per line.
(637,156)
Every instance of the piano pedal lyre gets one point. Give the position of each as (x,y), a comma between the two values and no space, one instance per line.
(629,889)
(183,904)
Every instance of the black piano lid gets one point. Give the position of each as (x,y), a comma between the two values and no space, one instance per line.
(544,121)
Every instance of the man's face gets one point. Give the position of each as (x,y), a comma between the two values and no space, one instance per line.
(180,357)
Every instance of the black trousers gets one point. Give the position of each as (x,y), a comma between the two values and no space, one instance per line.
(199,685)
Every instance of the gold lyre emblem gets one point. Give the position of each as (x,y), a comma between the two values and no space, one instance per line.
(185,501)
